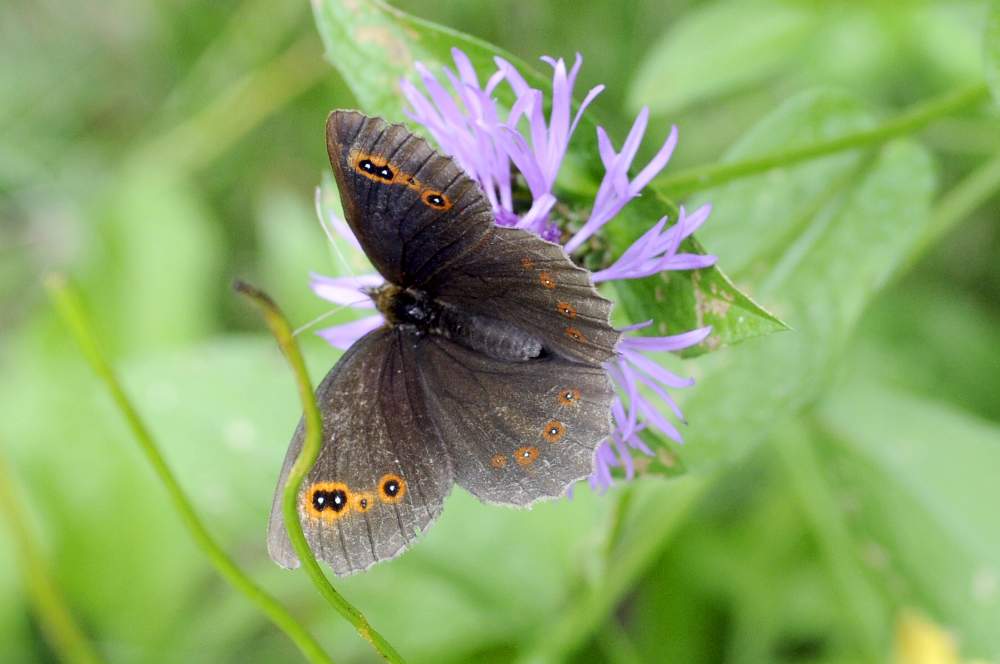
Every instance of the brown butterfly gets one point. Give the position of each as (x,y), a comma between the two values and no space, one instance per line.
(487,374)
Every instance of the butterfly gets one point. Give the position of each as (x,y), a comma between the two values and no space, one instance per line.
(488,372)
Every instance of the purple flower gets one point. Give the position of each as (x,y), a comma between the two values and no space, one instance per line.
(490,144)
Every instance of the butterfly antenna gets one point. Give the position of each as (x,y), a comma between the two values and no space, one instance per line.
(329,233)
(322,317)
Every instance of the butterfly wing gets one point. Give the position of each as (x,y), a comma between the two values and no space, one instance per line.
(412,209)
(382,474)
(517,276)
(515,431)
(424,223)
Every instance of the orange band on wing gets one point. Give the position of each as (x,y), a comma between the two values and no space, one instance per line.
(378,169)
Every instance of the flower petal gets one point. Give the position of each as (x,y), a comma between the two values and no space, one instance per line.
(343,336)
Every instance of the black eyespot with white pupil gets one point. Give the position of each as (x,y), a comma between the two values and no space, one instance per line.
(390,488)
(435,199)
(385,173)
(366,165)
(335,500)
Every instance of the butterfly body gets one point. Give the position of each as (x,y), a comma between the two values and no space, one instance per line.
(488,373)
(420,314)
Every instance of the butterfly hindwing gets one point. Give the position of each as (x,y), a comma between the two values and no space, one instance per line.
(516,431)
(382,473)
(412,209)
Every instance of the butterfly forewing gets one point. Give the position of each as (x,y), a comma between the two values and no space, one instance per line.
(382,473)
(412,209)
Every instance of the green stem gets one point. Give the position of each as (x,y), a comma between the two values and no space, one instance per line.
(705,177)
(584,616)
(957,204)
(615,644)
(253,28)
(804,472)
(237,110)
(617,520)
(69,306)
(63,634)
(282,331)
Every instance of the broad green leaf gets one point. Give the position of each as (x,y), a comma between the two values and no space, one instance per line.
(920,478)
(720,47)
(373,46)
(991,46)
(684,300)
(820,284)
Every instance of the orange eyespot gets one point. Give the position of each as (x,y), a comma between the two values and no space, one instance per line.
(498,461)
(553,431)
(378,169)
(566,309)
(327,500)
(436,199)
(373,167)
(575,334)
(546,280)
(569,396)
(391,488)
(527,263)
(525,456)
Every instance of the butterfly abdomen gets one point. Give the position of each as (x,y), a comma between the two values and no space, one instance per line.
(491,336)
(497,338)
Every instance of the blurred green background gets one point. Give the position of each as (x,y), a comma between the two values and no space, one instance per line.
(839,495)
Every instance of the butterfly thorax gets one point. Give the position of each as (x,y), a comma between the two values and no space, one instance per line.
(417,310)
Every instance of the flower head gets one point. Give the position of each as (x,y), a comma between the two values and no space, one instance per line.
(496,148)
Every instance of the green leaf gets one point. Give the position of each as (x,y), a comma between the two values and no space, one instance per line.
(680,301)
(921,480)
(373,46)
(720,47)
(820,283)
(992,49)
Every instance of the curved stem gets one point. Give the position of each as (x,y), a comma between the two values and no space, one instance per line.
(235,111)
(282,331)
(954,205)
(705,177)
(584,616)
(64,635)
(67,303)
